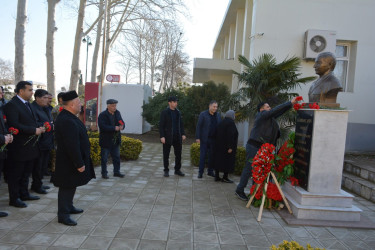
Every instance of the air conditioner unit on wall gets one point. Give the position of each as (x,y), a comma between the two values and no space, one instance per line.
(318,41)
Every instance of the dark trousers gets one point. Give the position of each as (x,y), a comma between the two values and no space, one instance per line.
(251,151)
(225,176)
(18,173)
(207,148)
(115,155)
(37,172)
(177,147)
(65,202)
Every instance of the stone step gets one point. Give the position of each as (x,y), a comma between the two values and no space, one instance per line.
(361,168)
(359,186)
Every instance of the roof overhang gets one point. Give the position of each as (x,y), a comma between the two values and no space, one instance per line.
(203,68)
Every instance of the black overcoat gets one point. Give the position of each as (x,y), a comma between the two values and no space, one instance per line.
(46,139)
(3,132)
(226,138)
(73,152)
(107,130)
(166,126)
(19,117)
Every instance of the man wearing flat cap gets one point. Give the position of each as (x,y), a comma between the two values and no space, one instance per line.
(171,129)
(110,124)
(73,163)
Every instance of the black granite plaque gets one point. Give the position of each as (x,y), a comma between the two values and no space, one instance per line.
(302,144)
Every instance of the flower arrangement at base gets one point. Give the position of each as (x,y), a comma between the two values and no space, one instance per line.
(12,131)
(298,106)
(281,165)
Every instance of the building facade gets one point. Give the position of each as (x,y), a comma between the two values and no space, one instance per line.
(303,28)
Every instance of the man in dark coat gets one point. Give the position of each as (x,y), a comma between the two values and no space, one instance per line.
(226,147)
(172,133)
(265,130)
(5,139)
(22,153)
(45,141)
(73,163)
(110,124)
(205,135)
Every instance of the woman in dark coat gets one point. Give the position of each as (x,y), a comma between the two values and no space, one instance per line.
(226,147)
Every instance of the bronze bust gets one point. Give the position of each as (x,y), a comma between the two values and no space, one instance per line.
(326,88)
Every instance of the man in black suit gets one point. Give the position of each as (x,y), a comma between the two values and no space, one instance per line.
(45,142)
(22,154)
(73,163)
(5,139)
(110,124)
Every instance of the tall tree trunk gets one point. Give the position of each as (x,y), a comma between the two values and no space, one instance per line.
(19,42)
(108,41)
(74,75)
(50,44)
(97,43)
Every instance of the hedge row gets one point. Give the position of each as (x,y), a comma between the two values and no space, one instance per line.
(240,157)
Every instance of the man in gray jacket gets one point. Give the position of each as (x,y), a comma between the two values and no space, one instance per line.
(265,130)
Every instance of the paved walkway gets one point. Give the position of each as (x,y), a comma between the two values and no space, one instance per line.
(147,211)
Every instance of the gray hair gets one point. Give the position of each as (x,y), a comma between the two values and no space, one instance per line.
(230,114)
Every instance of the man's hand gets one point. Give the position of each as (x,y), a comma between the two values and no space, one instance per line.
(121,127)
(183,137)
(81,169)
(294,100)
(117,128)
(162,140)
(8,139)
(40,130)
(230,151)
(198,141)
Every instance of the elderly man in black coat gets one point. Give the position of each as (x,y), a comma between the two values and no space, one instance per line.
(73,163)
(225,147)
(110,124)
(22,153)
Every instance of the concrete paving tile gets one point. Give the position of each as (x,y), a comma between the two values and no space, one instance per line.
(130,233)
(80,230)
(152,245)
(332,244)
(181,225)
(252,240)
(229,228)
(181,236)
(135,222)
(206,237)
(69,240)
(33,226)
(343,234)
(28,247)
(94,242)
(54,227)
(204,227)
(87,219)
(161,224)
(4,246)
(298,232)
(183,209)
(231,239)
(279,231)
(251,229)
(277,239)
(155,234)
(231,247)
(304,241)
(201,246)
(106,231)
(121,244)
(160,215)
(177,245)
(225,219)
(116,221)
(16,237)
(43,239)
(8,224)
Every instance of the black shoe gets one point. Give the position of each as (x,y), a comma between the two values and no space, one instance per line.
(45,187)
(217,178)
(200,176)
(166,173)
(68,222)
(76,211)
(39,190)
(3,214)
(119,175)
(211,174)
(241,196)
(105,176)
(17,203)
(30,198)
(47,174)
(178,172)
(226,180)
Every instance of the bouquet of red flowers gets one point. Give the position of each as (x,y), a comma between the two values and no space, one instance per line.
(115,136)
(46,126)
(12,131)
(61,108)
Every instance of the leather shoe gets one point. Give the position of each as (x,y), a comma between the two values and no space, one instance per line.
(226,180)
(200,176)
(68,222)
(17,203)
(166,173)
(30,198)
(105,176)
(119,175)
(39,190)
(3,214)
(241,195)
(45,187)
(179,172)
(211,174)
(76,211)
(217,178)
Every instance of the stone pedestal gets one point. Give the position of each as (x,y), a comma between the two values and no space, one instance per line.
(323,198)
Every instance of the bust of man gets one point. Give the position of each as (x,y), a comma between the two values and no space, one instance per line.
(326,88)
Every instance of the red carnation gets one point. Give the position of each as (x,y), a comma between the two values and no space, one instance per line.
(299,98)
(60,109)
(121,122)
(4,117)
(47,126)
(294,181)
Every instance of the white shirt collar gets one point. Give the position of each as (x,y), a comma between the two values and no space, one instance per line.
(19,97)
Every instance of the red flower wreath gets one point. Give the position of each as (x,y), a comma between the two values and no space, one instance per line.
(262,162)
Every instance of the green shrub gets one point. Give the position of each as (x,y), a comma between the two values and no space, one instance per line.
(93,134)
(240,157)
(95,151)
(292,245)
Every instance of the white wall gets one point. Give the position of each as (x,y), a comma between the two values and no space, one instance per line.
(131,98)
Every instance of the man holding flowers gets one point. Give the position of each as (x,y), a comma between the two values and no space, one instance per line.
(265,130)
(110,124)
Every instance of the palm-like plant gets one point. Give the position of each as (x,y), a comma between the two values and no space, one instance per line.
(266,80)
